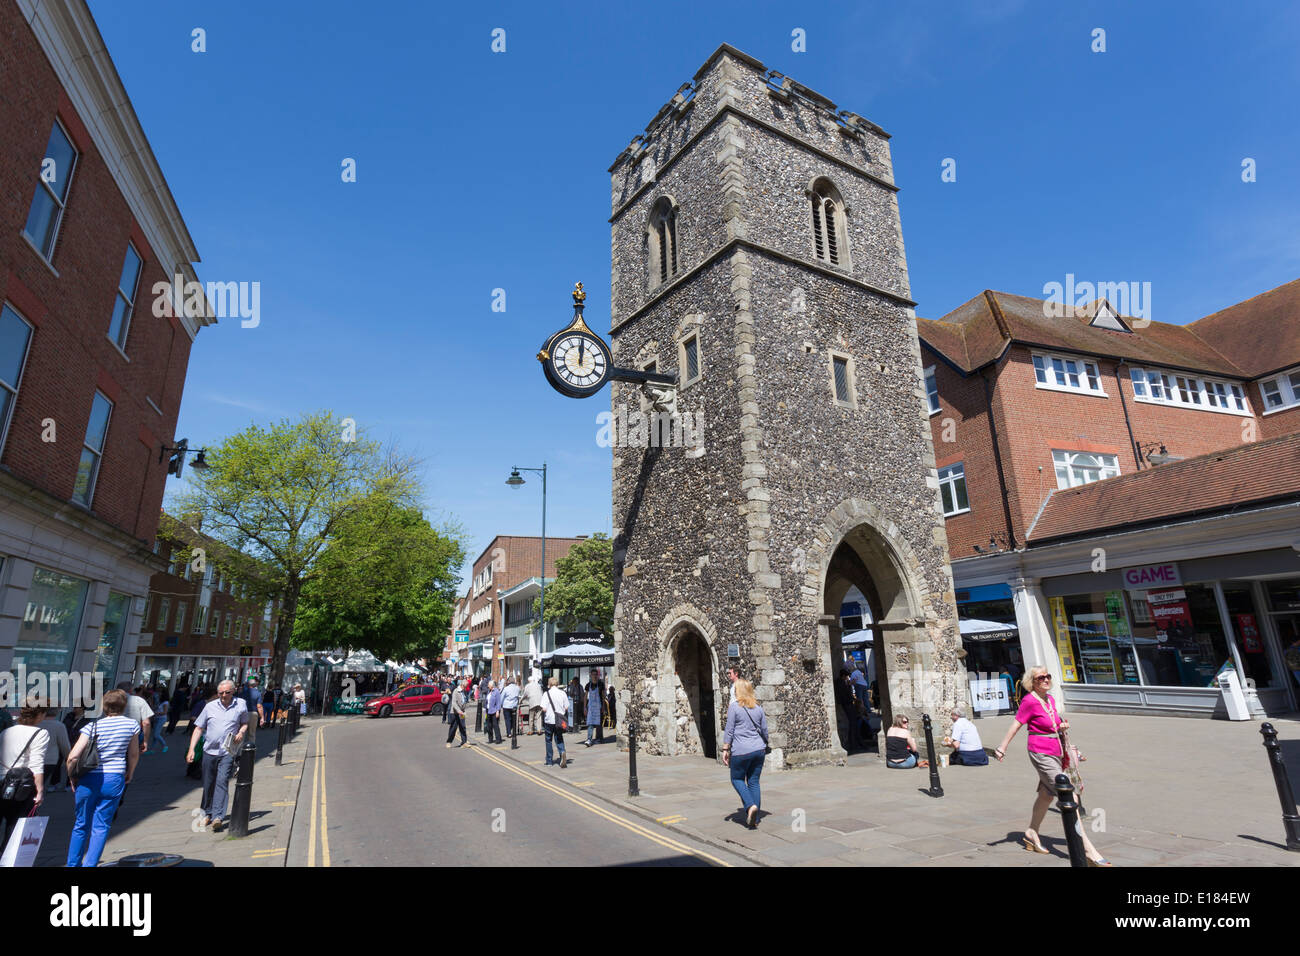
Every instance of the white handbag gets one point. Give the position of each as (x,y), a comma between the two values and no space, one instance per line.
(25,841)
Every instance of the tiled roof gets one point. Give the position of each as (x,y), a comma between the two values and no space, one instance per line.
(1247,474)
(1243,341)
(1260,335)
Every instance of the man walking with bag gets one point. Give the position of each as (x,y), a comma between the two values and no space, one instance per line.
(555,706)
(222,724)
(456,718)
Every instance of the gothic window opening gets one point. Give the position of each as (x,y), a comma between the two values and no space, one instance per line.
(662,242)
(830,242)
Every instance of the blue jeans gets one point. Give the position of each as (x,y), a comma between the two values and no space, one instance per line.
(907,764)
(98,794)
(216,784)
(559,742)
(745,770)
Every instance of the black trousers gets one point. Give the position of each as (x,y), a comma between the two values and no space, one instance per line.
(494,728)
(456,722)
(510,720)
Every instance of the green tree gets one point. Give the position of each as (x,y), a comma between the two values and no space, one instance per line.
(583,592)
(281,494)
(386,582)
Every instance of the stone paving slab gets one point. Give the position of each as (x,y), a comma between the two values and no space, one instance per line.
(1175,791)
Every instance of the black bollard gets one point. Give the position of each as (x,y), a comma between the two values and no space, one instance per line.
(935,790)
(279,746)
(1070,817)
(243,790)
(633,787)
(478,717)
(293,721)
(1290,819)
(514,728)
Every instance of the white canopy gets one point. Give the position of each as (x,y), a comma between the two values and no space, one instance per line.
(857,637)
(978,630)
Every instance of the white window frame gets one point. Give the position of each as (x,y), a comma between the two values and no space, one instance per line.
(1184,390)
(62,204)
(22,367)
(215,629)
(850,380)
(1286,385)
(181,608)
(120,342)
(164,613)
(1057,371)
(932,394)
(200,623)
(97,452)
(949,475)
(1066,458)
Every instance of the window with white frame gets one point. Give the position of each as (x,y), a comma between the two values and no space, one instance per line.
(1281,391)
(200,619)
(952,489)
(931,390)
(181,608)
(216,624)
(92,450)
(230,620)
(1189,391)
(15,336)
(46,214)
(1074,468)
(1070,374)
(124,304)
(164,609)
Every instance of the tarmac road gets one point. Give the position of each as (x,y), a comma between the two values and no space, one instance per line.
(387,792)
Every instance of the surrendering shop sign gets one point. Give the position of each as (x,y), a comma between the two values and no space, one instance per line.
(1148,576)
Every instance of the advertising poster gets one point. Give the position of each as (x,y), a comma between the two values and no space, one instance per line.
(1094,649)
(1064,649)
(1248,631)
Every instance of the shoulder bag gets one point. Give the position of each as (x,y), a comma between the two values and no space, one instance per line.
(19,782)
(561,725)
(88,759)
(767,747)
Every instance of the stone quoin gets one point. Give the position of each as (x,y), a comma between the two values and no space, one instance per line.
(757,253)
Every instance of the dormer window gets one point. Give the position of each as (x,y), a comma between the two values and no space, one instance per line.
(830,240)
(661,242)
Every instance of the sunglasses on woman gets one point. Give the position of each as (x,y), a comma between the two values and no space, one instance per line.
(1043,677)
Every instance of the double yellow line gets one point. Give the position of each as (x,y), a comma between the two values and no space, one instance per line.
(318,789)
(636,828)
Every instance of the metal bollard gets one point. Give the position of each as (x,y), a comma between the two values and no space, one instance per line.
(478,717)
(514,727)
(243,790)
(1290,819)
(935,790)
(1070,817)
(279,746)
(633,787)
(293,721)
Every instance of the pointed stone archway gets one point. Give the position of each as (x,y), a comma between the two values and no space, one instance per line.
(685,699)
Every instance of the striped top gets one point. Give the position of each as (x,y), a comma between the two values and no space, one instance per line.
(113,735)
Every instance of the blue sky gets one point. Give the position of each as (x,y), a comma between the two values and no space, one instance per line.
(376,295)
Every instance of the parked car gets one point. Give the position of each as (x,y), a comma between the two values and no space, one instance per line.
(418,699)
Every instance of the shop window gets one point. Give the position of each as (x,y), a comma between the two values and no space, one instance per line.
(110,637)
(1094,640)
(1183,645)
(51,623)
(1248,632)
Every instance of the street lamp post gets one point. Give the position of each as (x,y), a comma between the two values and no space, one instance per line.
(516,480)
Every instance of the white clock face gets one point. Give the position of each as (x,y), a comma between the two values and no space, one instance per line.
(579,360)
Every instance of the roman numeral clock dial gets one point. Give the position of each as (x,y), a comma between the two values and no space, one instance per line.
(576,360)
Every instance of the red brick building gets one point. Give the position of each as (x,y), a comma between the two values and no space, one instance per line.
(509,560)
(90,377)
(1031,403)
(211,614)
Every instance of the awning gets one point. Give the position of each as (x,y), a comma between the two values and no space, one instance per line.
(857,637)
(973,629)
(580,655)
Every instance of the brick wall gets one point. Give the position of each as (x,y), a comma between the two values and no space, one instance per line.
(70,354)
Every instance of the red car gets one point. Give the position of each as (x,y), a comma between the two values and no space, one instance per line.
(417,699)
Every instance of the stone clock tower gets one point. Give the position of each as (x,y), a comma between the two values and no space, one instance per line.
(757,254)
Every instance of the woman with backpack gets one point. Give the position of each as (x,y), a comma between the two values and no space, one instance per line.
(22,764)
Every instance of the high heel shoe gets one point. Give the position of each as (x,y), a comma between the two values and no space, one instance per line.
(1033,847)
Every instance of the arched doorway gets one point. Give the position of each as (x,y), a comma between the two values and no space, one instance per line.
(694,684)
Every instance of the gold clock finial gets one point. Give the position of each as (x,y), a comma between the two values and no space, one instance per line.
(578,295)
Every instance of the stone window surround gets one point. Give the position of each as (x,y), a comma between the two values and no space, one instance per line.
(689,329)
(850,374)
(663,209)
(823,188)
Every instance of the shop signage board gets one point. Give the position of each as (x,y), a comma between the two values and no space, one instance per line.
(989,694)
(462,637)
(1064,649)
(1148,576)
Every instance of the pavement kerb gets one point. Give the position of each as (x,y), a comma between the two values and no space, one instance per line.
(734,849)
(297,794)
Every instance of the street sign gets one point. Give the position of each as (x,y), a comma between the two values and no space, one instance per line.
(569,638)
(462,637)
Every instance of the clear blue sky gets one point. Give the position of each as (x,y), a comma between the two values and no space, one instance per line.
(479,171)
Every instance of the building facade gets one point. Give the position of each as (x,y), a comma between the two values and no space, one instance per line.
(90,376)
(211,615)
(1079,450)
(757,254)
(507,561)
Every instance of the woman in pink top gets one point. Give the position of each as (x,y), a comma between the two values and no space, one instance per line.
(1038,713)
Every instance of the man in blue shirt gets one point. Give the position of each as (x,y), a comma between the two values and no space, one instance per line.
(222,725)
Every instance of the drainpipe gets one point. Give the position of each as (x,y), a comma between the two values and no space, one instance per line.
(1132,442)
